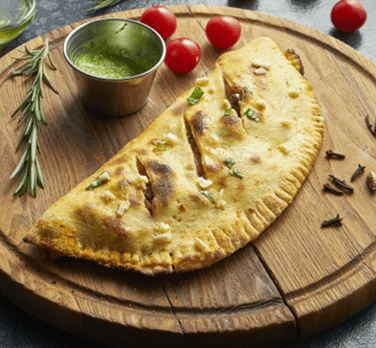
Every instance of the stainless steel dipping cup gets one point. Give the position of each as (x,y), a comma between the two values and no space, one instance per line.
(114,97)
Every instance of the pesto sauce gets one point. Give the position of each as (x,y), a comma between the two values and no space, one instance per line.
(112,63)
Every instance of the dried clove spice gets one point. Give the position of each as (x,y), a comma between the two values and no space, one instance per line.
(334,221)
(330,153)
(370,127)
(341,183)
(358,171)
(332,189)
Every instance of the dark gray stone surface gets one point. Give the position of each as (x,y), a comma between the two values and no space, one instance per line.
(21,330)
(53,14)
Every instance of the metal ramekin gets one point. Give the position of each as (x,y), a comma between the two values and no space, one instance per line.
(114,97)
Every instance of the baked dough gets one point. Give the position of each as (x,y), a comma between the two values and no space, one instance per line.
(173,200)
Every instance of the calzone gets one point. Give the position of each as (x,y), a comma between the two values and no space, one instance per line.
(204,179)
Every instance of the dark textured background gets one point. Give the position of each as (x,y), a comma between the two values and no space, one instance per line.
(20,330)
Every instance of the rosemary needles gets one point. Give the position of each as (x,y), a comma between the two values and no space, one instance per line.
(102,4)
(32,113)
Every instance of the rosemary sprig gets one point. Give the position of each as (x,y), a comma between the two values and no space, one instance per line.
(33,114)
(102,4)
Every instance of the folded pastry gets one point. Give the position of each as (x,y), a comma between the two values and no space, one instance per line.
(204,179)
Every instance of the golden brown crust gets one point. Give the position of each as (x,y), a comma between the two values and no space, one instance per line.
(171,201)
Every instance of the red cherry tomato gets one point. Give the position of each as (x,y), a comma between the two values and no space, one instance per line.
(161,19)
(223,31)
(348,15)
(182,55)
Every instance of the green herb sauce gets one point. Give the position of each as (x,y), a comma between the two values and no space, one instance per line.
(102,60)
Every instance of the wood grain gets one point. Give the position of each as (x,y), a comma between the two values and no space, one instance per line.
(297,279)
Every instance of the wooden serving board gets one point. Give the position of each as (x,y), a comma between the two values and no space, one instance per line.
(296,280)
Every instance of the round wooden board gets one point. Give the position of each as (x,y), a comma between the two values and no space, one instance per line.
(296,280)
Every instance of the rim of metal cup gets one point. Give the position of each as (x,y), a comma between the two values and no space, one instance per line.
(28,15)
(156,66)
